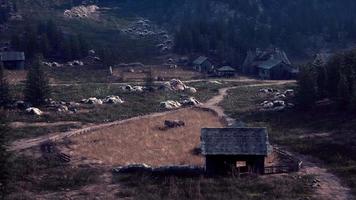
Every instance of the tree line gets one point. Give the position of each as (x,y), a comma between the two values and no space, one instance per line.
(336,81)
(48,39)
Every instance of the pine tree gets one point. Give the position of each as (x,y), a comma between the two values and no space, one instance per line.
(307,92)
(37,88)
(5,97)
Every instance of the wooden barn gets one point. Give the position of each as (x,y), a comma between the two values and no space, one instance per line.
(13,60)
(234,150)
(203,64)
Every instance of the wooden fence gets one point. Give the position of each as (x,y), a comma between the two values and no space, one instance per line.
(294,164)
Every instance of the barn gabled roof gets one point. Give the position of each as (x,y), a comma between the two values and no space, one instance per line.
(12,56)
(235,141)
(200,60)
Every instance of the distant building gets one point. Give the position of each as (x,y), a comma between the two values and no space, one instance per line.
(13,60)
(229,150)
(269,64)
(202,64)
(225,71)
(322,59)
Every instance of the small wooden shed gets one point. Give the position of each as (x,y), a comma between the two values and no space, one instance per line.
(230,150)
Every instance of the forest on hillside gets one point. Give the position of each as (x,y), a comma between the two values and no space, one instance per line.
(228,28)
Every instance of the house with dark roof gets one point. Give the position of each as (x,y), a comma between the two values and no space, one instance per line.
(269,64)
(13,60)
(203,64)
(225,71)
(231,150)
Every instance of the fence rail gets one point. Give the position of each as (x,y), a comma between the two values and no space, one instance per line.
(294,166)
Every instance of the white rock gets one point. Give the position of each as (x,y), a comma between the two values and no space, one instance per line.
(191,90)
(170,104)
(113,100)
(92,100)
(34,111)
(191,101)
(138,88)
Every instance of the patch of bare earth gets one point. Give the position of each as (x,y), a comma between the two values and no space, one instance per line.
(142,141)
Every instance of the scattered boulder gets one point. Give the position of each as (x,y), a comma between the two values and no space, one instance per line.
(173,123)
(191,90)
(191,101)
(267,104)
(279,96)
(138,88)
(62,108)
(92,100)
(177,85)
(215,82)
(170,104)
(129,88)
(279,103)
(34,111)
(113,100)
(76,63)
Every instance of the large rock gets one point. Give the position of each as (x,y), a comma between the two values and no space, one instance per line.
(191,101)
(170,104)
(62,108)
(191,90)
(177,85)
(113,100)
(34,111)
(92,100)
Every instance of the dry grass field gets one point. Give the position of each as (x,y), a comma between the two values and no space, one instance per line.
(142,141)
